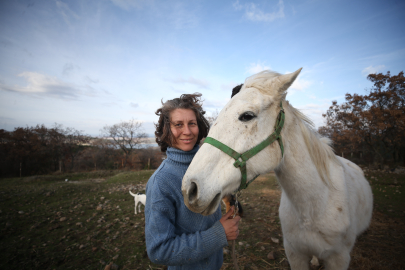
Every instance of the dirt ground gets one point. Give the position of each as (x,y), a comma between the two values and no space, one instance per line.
(381,247)
(88,222)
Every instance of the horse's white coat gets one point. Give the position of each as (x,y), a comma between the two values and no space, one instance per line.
(326,201)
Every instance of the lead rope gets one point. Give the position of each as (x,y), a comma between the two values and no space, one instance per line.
(235,262)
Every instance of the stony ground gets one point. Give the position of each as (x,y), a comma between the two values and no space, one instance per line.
(88,222)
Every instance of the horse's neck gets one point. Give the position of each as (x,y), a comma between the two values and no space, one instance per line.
(297,174)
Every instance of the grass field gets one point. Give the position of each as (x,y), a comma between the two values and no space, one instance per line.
(88,222)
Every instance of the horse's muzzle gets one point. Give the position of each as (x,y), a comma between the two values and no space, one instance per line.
(195,202)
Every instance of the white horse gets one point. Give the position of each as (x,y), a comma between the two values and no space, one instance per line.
(326,201)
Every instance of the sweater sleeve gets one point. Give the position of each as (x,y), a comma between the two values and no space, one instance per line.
(165,247)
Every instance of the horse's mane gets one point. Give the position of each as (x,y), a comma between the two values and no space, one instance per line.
(319,147)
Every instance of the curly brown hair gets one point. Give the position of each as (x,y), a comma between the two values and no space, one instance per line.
(163,133)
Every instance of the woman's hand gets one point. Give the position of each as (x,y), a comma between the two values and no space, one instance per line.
(230,225)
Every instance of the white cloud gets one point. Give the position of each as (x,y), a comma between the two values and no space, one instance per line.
(90,80)
(256,68)
(44,85)
(372,70)
(130,4)
(314,112)
(229,86)
(69,68)
(300,84)
(183,16)
(237,6)
(202,83)
(254,13)
(66,12)
(134,105)
(216,104)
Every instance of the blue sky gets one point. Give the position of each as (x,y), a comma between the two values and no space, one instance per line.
(86,64)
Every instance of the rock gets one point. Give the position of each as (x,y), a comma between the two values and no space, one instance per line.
(62,219)
(275,240)
(54,227)
(20,212)
(79,224)
(116,257)
(240,244)
(314,261)
(271,256)
(100,207)
(108,266)
(82,246)
(102,198)
(66,180)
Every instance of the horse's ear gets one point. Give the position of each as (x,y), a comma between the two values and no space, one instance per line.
(286,80)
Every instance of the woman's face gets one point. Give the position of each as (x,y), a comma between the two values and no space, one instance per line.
(184,127)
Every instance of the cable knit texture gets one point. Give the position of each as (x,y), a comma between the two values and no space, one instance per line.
(175,236)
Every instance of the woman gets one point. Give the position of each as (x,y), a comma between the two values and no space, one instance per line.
(175,236)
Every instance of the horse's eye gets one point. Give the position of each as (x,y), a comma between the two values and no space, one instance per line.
(246,116)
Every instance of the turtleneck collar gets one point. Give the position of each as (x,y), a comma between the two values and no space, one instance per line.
(180,156)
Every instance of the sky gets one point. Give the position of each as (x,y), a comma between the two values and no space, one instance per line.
(86,64)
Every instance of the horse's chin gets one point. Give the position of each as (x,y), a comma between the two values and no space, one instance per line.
(210,209)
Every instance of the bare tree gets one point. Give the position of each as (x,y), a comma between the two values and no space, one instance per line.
(211,119)
(125,135)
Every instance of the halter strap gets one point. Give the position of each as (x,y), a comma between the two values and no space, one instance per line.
(240,159)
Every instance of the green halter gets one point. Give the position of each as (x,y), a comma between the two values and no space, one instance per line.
(240,159)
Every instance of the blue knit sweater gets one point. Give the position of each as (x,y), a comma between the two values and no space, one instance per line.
(175,236)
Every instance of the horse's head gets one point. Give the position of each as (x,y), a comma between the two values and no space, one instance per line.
(247,119)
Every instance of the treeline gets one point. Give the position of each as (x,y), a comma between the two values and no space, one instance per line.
(42,150)
(370,128)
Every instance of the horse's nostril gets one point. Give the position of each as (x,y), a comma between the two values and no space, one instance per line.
(192,192)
